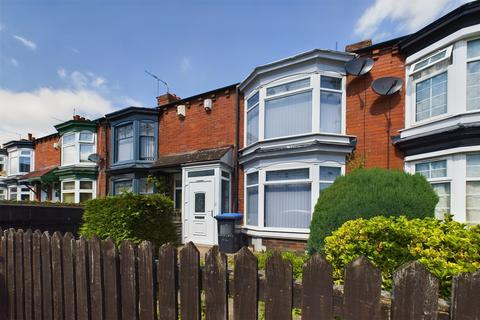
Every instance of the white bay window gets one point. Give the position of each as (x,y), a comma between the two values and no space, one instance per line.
(77,146)
(20,161)
(252,199)
(310,104)
(473,74)
(77,191)
(473,188)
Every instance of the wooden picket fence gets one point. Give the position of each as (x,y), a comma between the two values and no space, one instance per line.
(60,277)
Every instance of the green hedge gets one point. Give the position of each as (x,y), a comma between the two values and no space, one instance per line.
(365,193)
(132,217)
(446,248)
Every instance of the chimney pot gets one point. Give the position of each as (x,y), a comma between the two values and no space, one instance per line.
(358,45)
(166,99)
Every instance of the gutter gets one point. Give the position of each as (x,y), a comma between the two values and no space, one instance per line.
(236,149)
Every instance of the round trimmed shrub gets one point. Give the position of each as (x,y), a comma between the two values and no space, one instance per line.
(445,248)
(130,217)
(365,193)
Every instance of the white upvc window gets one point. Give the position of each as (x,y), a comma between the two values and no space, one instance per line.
(432,60)
(19,193)
(2,164)
(472,208)
(20,161)
(3,194)
(77,191)
(252,198)
(296,105)
(436,173)
(328,176)
(177,196)
(122,186)
(145,186)
(473,75)
(225,191)
(77,146)
(12,193)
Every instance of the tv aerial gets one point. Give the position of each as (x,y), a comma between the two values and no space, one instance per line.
(158,82)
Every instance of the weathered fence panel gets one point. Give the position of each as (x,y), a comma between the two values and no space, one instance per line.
(415,293)
(362,291)
(190,282)
(58,277)
(167,275)
(278,291)
(245,279)
(216,299)
(317,295)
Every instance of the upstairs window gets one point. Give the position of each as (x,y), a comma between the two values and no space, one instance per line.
(2,164)
(252,119)
(20,161)
(289,110)
(431,97)
(331,104)
(432,60)
(473,74)
(77,146)
(147,141)
(124,142)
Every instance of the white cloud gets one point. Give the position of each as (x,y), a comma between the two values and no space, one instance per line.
(62,73)
(407,15)
(98,81)
(27,43)
(185,64)
(37,111)
(79,80)
(14,62)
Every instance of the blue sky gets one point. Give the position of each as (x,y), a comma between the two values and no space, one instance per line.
(91,55)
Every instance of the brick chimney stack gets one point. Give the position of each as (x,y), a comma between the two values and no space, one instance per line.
(166,99)
(358,45)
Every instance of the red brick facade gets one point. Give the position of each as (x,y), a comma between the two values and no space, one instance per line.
(46,155)
(199,129)
(103,138)
(288,245)
(369,121)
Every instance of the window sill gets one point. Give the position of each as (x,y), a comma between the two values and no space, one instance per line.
(277,233)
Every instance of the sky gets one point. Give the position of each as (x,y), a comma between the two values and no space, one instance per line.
(88,57)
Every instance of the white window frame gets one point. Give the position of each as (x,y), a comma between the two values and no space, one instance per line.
(222,178)
(14,155)
(315,88)
(3,161)
(247,186)
(76,191)
(3,193)
(247,110)
(448,55)
(76,143)
(469,179)
(314,180)
(467,61)
(177,176)
(414,96)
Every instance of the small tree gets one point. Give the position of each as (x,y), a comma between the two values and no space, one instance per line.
(130,217)
(365,193)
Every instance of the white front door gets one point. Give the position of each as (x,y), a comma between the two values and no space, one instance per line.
(201,223)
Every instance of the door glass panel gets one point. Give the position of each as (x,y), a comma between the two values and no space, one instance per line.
(201,173)
(200,202)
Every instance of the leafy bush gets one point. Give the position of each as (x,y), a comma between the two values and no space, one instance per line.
(365,193)
(446,248)
(132,217)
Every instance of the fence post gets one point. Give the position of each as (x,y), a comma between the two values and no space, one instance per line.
(37,274)
(216,297)
(56,245)
(278,290)
(245,283)
(111,277)
(362,291)
(415,293)
(146,286)
(128,281)
(81,279)
(317,294)
(68,268)
(11,273)
(3,276)
(95,279)
(190,282)
(27,269)
(19,302)
(167,275)
(47,301)
(465,294)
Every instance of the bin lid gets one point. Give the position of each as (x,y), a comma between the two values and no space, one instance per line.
(229,216)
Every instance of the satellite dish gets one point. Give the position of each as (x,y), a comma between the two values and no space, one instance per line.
(94,157)
(387,85)
(359,66)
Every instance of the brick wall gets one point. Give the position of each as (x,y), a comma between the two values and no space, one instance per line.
(369,121)
(289,245)
(199,129)
(45,154)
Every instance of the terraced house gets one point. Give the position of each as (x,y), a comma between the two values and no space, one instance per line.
(268,146)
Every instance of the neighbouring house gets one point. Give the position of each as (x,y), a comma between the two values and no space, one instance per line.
(441,135)
(295,143)
(3,173)
(18,160)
